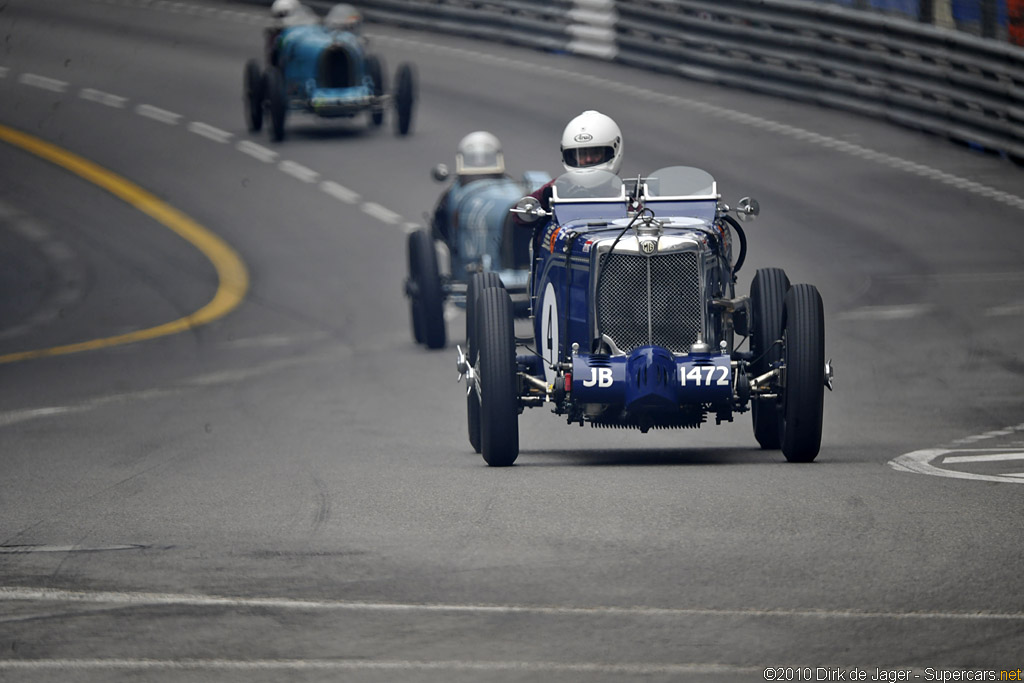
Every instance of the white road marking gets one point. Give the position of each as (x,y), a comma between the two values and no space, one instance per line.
(382,214)
(368,665)
(225,377)
(257,151)
(105,98)
(23,549)
(17,593)
(1006,310)
(209,132)
(275,340)
(920,462)
(990,457)
(340,192)
(158,114)
(306,175)
(885,312)
(37,81)
(410,227)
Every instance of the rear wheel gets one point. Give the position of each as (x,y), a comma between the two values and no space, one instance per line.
(277,103)
(477,283)
(425,295)
(376,73)
(496,373)
(804,396)
(405,97)
(253,96)
(767,301)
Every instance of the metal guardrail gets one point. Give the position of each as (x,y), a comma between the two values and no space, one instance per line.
(944,82)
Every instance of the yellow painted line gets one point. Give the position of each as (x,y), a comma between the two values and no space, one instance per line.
(232,276)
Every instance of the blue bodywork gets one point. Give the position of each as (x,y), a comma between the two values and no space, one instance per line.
(640,344)
(474,222)
(325,71)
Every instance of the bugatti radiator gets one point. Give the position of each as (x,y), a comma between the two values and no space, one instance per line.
(650,300)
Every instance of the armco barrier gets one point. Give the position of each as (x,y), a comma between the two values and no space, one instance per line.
(941,81)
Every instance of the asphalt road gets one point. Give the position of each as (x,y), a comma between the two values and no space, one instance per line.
(286,492)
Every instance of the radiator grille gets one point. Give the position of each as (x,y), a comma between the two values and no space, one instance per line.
(650,300)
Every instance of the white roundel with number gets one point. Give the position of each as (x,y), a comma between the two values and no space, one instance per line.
(549,331)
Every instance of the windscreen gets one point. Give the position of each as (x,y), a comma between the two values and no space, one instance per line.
(680,182)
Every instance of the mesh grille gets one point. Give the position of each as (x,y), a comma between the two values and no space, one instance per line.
(668,313)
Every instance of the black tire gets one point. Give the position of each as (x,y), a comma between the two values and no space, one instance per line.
(376,73)
(253,96)
(405,98)
(803,402)
(426,295)
(411,289)
(767,302)
(477,283)
(276,103)
(496,368)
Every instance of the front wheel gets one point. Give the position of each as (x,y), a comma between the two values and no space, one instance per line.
(253,96)
(477,283)
(496,373)
(425,295)
(767,300)
(405,98)
(804,395)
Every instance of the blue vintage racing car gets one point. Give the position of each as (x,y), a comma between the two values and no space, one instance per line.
(323,69)
(635,321)
(471,232)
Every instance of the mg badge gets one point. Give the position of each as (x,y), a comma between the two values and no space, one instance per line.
(649,246)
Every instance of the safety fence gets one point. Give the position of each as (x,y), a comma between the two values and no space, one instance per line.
(945,82)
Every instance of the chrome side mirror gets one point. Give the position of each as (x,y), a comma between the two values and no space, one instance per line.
(440,173)
(748,209)
(529,209)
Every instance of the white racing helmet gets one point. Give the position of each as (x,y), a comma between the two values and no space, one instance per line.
(592,140)
(284,8)
(343,18)
(291,13)
(479,153)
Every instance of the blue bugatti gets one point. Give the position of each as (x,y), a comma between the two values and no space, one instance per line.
(472,232)
(326,72)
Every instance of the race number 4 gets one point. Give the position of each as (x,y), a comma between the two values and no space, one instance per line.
(704,374)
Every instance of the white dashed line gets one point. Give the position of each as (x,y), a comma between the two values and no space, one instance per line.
(259,152)
(410,227)
(158,114)
(340,192)
(306,175)
(885,312)
(1006,310)
(36,81)
(104,98)
(382,214)
(209,132)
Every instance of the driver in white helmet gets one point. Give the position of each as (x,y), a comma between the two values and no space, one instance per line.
(477,157)
(592,140)
(284,13)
